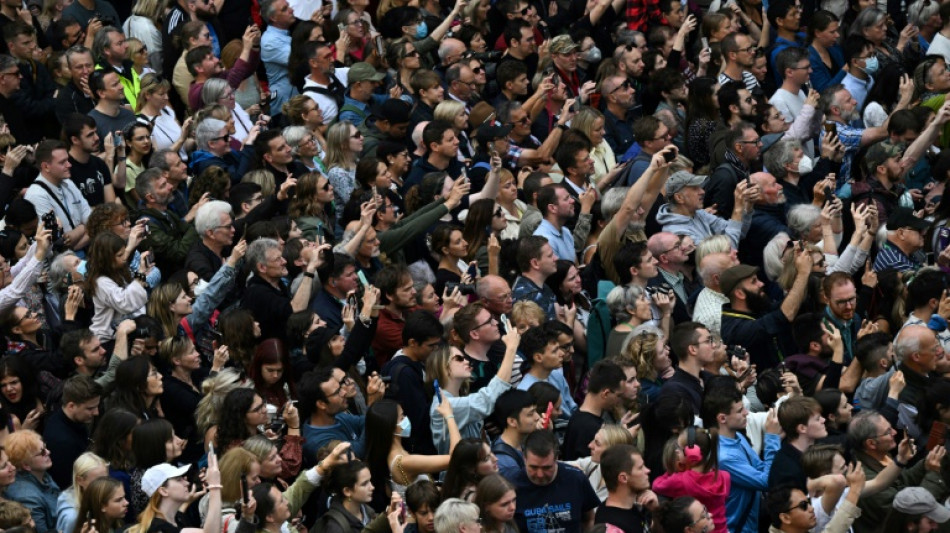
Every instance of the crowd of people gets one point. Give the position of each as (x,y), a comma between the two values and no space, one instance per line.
(444,267)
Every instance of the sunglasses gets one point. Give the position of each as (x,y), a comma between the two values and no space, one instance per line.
(499,213)
(478,70)
(357,135)
(802,505)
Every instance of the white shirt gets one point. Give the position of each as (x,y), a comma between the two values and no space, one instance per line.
(940,45)
(68,195)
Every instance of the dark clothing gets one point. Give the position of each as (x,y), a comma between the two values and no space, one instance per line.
(66,441)
(581,429)
(557,507)
(179,402)
(329,308)
(635,520)
(91,178)
(619,132)
(203,261)
(767,222)
(787,469)
(70,99)
(169,238)
(690,387)
(270,306)
(296,169)
(765,337)
(235,163)
(721,185)
(20,125)
(408,388)
(420,113)
(35,97)
(422,167)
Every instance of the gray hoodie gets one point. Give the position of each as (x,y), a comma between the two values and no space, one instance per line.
(703,224)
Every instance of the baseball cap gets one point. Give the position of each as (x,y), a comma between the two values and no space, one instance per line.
(878,153)
(363,72)
(733,276)
(563,44)
(903,217)
(156,476)
(489,132)
(681,179)
(919,501)
(394,110)
(769,140)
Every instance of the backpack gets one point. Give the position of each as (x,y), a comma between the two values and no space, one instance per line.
(392,388)
(335,516)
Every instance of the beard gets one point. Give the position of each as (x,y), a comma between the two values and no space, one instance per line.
(758,302)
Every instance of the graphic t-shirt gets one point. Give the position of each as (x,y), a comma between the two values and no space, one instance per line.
(555,508)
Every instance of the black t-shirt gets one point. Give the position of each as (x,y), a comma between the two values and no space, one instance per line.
(581,430)
(91,178)
(629,520)
(161,526)
(556,508)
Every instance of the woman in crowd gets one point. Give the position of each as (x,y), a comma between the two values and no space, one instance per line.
(495,497)
(511,206)
(351,487)
(143,26)
(607,436)
(871,23)
(239,332)
(19,394)
(312,208)
(482,232)
(344,143)
(304,147)
(405,61)
(138,388)
(112,441)
(138,139)
(244,414)
(449,243)
(824,52)
(631,308)
(454,113)
(115,218)
(168,490)
(153,442)
(590,122)
(471,461)
(154,109)
(104,504)
(115,294)
(270,371)
(87,468)
(702,119)
(217,91)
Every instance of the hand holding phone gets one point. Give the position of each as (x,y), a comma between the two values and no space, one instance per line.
(438,391)
(547,415)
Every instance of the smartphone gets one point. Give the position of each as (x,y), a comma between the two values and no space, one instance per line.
(244,489)
(830,127)
(362,278)
(352,301)
(492,150)
(402,512)
(705,43)
(380,51)
(210,448)
(342,28)
(505,323)
(117,139)
(547,415)
(148,260)
(669,156)
(438,391)
(473,272)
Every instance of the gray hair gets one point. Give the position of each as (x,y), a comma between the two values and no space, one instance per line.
(453,513)
(503,113)
(772,255)
(868,17)
(710,269)
(920,11)
(58,271)
(267,10)
(257,252)
(627,36)
(102,41)
(209,216)
(293,135)
(619,299)
(159,159)
(863,427)
(213,89)
(905,345)
(714,244)
(612,201)
(145,182)
(779,155)
(802,217)
(7,62)
(75,51)
(208,129)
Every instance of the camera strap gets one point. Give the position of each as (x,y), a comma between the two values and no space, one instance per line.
(58,202)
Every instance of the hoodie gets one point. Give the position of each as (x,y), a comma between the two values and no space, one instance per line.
(710,488)
(703,224)
(234,162)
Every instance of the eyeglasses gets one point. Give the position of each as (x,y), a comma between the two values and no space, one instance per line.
(890,431)
(14,73)
(663,137)
(229,226)
(704,516)
(28,314)
(414,53)
(326,186)
(524,122)
(802,505)
(343,383)
(478,70)
(221,138)
(749,49)
(485,323)
(458,358)
(624,85)
(712,341)
(848,301)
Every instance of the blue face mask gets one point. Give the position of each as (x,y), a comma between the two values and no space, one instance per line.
(870,65)
(422,30)
(405,427)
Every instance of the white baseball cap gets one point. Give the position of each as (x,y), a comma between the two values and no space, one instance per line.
(155,477)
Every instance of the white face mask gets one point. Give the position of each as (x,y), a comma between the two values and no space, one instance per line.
(806,165)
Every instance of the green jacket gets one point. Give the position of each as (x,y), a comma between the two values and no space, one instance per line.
(874,507)
(393,240)
(170,238)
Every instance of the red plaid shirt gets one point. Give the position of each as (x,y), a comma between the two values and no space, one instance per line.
(641,12)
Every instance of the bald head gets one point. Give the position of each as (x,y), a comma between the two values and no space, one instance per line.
(495,293)
(770,190)
(450,51)
(661,242)
(712,266)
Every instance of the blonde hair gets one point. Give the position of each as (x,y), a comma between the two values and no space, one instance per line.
(214,390)
(150,9)
(151,512)
(616,434)
(150,83)
(262,177)
(641,351)
(715,244)
(585,119)
(338,145)
(84,464)
(525,310)
(234,464)
(437,367)
(447,110)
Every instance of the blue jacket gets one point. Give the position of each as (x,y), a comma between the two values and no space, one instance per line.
(821,77)
(234,162)
(39,498)
(750,475)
